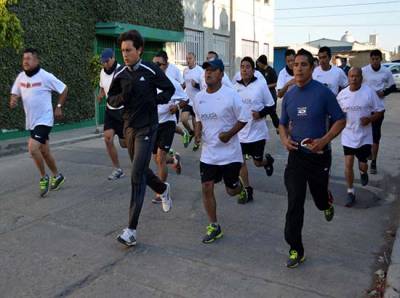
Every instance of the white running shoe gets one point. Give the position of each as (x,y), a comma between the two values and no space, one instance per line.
(128,237)
(116,174)
(166,200)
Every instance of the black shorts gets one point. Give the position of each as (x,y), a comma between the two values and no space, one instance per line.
(41,133)
(361,153)
(165,136)
(188,108)
(113,120)
(376,130)
(254,149)
(229,172)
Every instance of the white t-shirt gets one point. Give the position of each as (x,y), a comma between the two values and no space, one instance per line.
(106,79)
(195,74)
(334,78)
(257,74)
(35,92)
(255,97)
(174,72)
(357,104)
(225,81)
(219,112)
(377,80)
(163,109)
(283,78)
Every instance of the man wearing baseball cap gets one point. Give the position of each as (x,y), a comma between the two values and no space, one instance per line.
(113,123)
(219,117)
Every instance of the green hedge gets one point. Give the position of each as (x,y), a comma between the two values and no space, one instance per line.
(64,32)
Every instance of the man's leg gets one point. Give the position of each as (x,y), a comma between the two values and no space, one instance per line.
(48,158)
(349,174)
(161,158)
(296,186)
(34,150)
(111,150)
(185,121)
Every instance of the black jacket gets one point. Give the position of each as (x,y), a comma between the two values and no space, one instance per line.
(136,88)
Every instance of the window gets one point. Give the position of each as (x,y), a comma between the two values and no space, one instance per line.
(250,48)
(266,49)
(193,42)
(221,46)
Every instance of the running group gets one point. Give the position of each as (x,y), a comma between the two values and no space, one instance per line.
(226,120)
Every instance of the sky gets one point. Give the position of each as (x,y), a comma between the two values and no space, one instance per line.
(294,25)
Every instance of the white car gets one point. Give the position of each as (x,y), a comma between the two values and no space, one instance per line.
(394,67)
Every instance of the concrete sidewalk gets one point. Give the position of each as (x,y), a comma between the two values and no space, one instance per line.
(19,145)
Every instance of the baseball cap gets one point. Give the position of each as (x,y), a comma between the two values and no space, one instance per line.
(214,64)
(106,54)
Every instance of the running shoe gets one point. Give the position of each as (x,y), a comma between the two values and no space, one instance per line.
(44,184)
(350,200)
(329,213)
(56,182)
(249,190)
(294,259)
(186,138)
(128,237)
(247,156)
(372,169)
(243,196)
(196,147)
(116,174)
(213,233)
(177,163)
(166,200)
(364,178)
(269,167)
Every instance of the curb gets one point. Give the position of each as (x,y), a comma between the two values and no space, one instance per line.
(392,289)
(21,147)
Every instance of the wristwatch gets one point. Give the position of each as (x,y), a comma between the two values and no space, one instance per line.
(59,105)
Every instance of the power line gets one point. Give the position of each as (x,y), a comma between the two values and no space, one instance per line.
(338,15)
(337,6)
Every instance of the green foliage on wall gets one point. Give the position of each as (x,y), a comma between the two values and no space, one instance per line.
(10,27)
(64,33)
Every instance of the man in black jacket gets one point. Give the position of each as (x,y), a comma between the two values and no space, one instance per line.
(135,86)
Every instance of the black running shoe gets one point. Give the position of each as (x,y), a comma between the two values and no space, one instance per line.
(269,167)
(249,194)
(350,200)
(294,259)
(56,182)
(372,169)
(364,178)
(214,232)
(44,185)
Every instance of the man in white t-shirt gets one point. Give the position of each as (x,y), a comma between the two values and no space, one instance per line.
(331,76)
(192,76)
(286,77)
(219,117)
(380,79)
(113,122)
(172,70)
(258,101)
(34,86)
(362,107)
(166,129)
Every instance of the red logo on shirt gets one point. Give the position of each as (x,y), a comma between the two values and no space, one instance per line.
(29,85)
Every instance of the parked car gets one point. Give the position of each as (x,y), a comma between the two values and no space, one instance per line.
(394,67)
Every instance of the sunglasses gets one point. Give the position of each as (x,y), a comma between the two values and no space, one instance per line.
(159,64)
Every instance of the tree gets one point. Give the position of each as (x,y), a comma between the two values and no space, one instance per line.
(10,27)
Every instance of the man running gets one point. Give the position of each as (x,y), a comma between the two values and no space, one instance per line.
(307,105)
(34,86)
(331,76)
(135,86)
(258,101)
(285,77)
(192,76)
(362,107)
(380,79)
(166,130)
(113,123)
(219,117)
